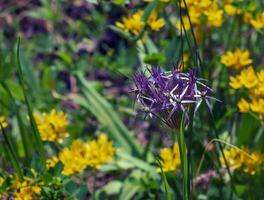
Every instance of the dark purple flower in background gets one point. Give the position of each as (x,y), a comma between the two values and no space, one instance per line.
(203,180)
(169,95)
(31,26)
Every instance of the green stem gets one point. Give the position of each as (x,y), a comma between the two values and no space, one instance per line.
(11,154)
(184,163)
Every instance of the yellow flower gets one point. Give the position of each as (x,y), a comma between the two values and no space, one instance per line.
(194,16)
(248,161)
(235,82)
(170,158)
(252,164)
(1,181)
(237,59)
(214,16)
(248,77)
(132,23)
(231,10)
(52,126)
(260,75)
(26,190)
(155,23)
(233,157)
(99,152)
(73,158)
(52,162)
(198,10)
(3,121)
(247,17)
(258,22)
(82,155)
(257,106)
(243,105)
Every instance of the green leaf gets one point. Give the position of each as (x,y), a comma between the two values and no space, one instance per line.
(247,130)
(155,59)
(121,32)
(104,112)
(166,184)
(150,7)
(138,163)
(112,187)
(38,143)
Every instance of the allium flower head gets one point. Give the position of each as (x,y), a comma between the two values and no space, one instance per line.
(168,95)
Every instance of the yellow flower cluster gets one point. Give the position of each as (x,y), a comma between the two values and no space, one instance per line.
(135,24)
(52,126)
(200,10)
(258,21)
(3,121)
(242,159)
(230,9)
(170,158)
(254,82)
(26,190)
(81,155)
(237,59)
(247,78)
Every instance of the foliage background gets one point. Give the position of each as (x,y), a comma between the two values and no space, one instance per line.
(74,59)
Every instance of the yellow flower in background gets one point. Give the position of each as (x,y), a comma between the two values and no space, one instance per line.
(99,152)
(52,162)
(73,158)
(1,181)
(194,16)
(134,23)
(200,10)
(170,158)
(251,165)
(233,157)
(81,155)
(243,105)
(260,75)
(230,9)
(248,77)
(214,16)
(27,189)
(258,21)
(52,126)
(237,59)
(243,159)
(257,106)
(155,23)
(247,17)
(3,121)
(235,82)
(254,83)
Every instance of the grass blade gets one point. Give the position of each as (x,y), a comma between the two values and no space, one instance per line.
(25,139)
(166,184)
(39,146)
(9,150)
(105,109)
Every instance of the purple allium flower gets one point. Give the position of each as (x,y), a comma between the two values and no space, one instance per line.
(168,95)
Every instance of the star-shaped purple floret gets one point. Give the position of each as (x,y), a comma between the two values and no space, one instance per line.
(167,95)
